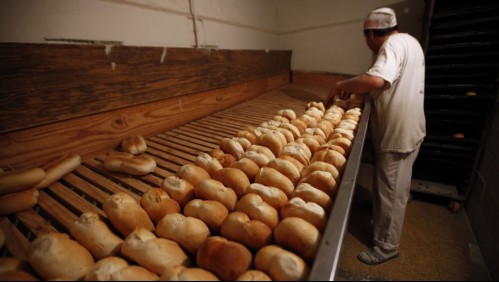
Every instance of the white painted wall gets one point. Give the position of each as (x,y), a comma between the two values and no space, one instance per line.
(324,35)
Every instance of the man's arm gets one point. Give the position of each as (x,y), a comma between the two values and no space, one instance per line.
(359,84)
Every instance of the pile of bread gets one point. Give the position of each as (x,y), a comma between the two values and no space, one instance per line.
(254,208)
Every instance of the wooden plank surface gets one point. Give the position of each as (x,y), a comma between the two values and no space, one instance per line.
(89,185)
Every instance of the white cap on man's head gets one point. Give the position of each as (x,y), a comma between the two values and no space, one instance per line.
(380,19)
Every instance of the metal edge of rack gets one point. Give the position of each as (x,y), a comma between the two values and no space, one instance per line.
(328,254)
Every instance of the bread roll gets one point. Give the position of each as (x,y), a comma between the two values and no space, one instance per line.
(299,236)
(244,142)
(263,150)
(56,256)
(114,268)
(349,134)
(328,146)
(134,145)
(332,157)
(326,126)
(290,137)
(126,214)
(130,164)
(314,104)
(57,168)
(257,209)
(189,232)
(157,204)
(238,227)
(251,137)
(12,263)
(178,189)
(299,151)
(285,167)
(231,146)
(343,142)
(226,159)
(273,196)
(294,161)
(272,177)
(254,275)
(208,163)
(320,165)
(259,158)
(155,254)
(213,213)
(18,201)
(291,128)
(211,189)
(281,264)
(271,141)
(248,166)
(321,180)
(299,124)
(20,180)
(309,211)
(224,258)
(95,235)
(288,113)
(309,193)
(234,179)
(347,124)
(193,173)
(182,273)
(17,275)
(310,141)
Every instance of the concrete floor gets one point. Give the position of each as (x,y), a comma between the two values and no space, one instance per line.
(436,244)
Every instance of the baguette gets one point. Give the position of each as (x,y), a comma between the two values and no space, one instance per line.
(20,180)
(18,201)
(57,168)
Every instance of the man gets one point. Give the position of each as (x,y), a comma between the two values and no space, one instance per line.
(395,83)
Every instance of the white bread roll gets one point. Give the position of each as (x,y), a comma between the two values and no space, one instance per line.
(273,196)
(182,273)
(294,161)
(155,254)
(193,173)
(212,213)
(95,235)
(272,141)
(259,158)
(348,124)
(178,189)
(130,164)
(272,177)
(299,124)
(20,180)
(251,137)
(189,232)
(326,126)
(290,137)
(18,201)
(238,227)
(287,113)
(328,146)
(244,142)
(281,264)
(320,165)
(299,236)
(349,134)
(332,157)
(257,209)
(311,194)
(134,145)
(56,256)
(114,268)
(343,142)
(262,149)
(311,142)
(317,105)
(254,275)
(234,179)
(224,258)
(309,211)
(57,168)
(321,180)
(309,120)
(248,166)
(208,163)
(211,189)
(125,213)
(231,146)
(157,203)
(227,160)
(280,118)
(299,151)
(285,167)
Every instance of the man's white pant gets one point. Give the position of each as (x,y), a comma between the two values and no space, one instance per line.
(391,190)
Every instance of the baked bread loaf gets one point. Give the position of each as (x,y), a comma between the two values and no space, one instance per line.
(234,179)
(273,196)
(193,173)
(114,268)
(247,134)
(272,141)
(130,164)
(182,273)
(57,168)
(189,232)
(294,161)
(224,258)
(248,166)
(281,264)
(259,158)
(157,204)
(272,177)
(178,189)
(321,180)
(155,254)
(299,236)
(212,213)
(310,141)
(309,211)
(263,150)
(126,214)
(134,145)
(211,189)
(238,227)
(320,165)
(18,201)
(257,209)
(231,146)
(309,193)
(332,157)
(208,163)
(287,113)
(285,167)
(55,256)
(253,275)
(20,180)
(95,235)
(299,151)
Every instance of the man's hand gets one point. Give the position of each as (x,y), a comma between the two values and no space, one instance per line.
(336,93)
